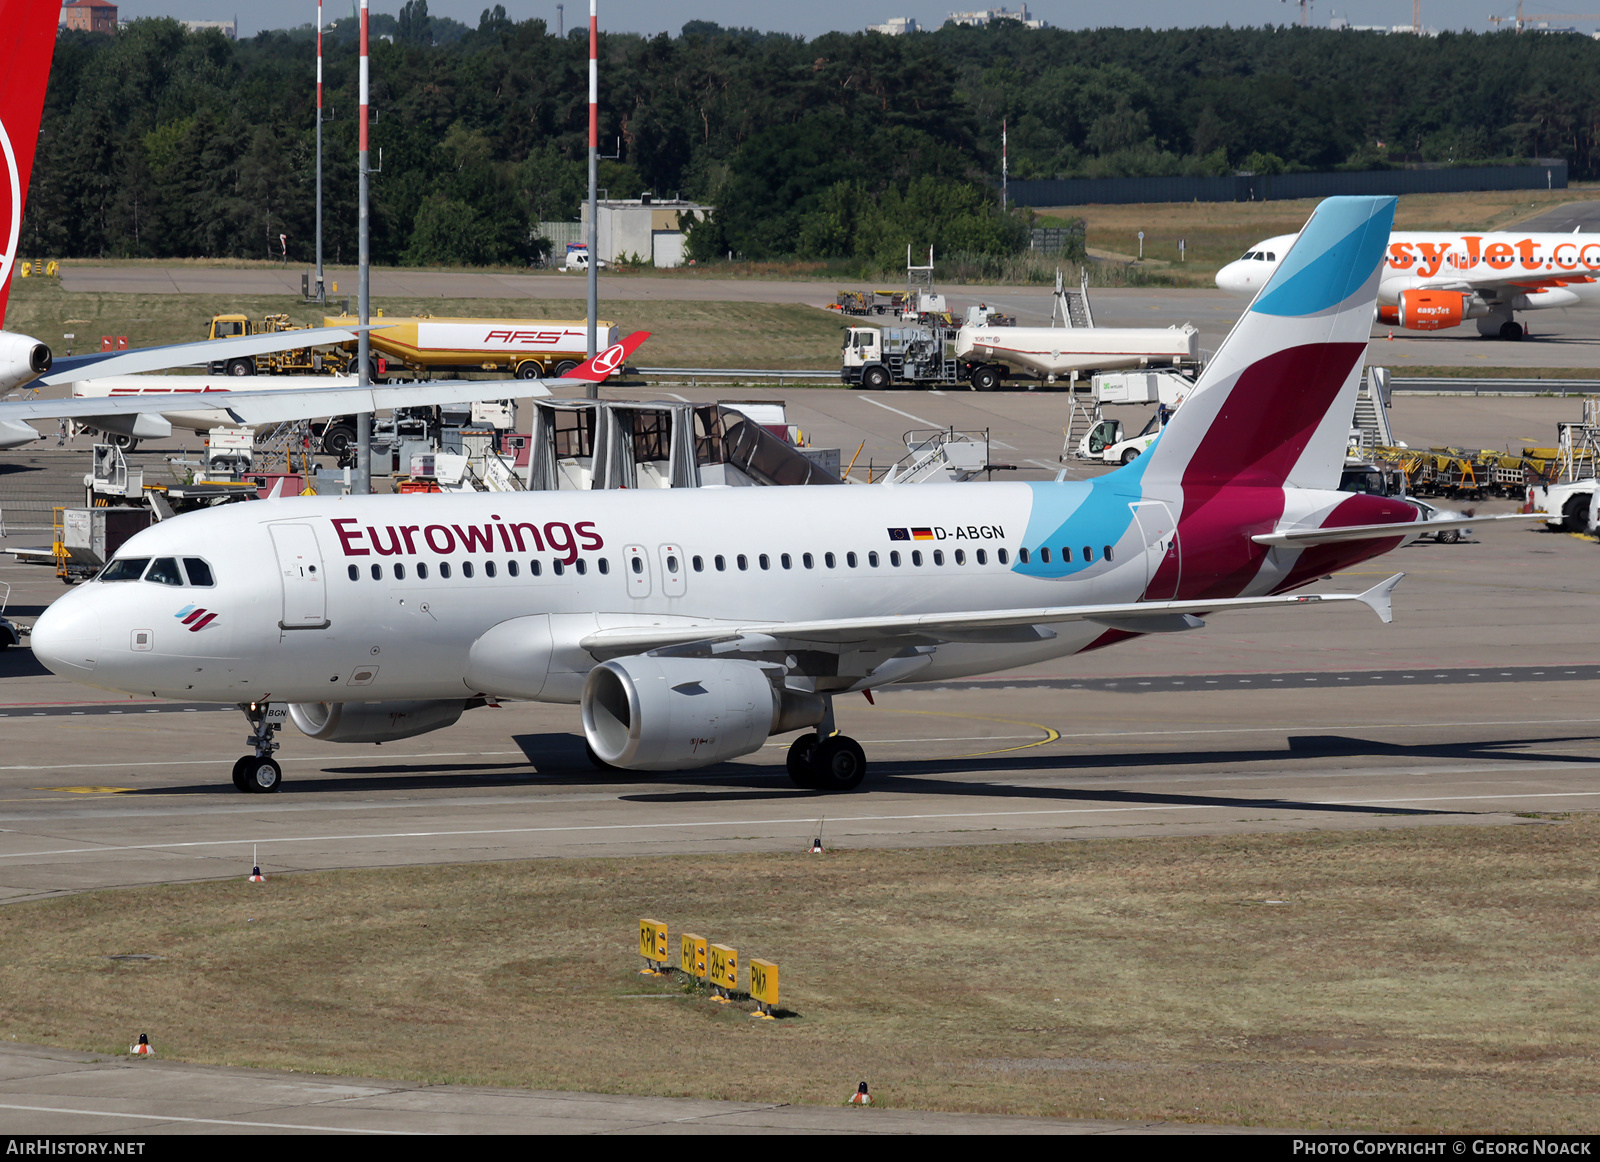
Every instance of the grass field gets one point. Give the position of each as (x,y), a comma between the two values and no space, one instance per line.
(1216,233)
(1418,979)
(684,334)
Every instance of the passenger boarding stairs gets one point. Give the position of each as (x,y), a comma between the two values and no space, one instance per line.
(1072,306)
(941,456)
(1369,429)
(283,441)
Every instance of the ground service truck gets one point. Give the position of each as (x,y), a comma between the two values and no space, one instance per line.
(527,348)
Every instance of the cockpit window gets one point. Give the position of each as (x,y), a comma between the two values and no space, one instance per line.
(125,569)
(1270,257)
(1249,255)
(199,572)
(164,571)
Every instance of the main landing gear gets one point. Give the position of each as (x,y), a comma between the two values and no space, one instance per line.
(826,760)
(258,773)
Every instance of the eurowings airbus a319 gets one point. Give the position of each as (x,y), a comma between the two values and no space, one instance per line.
(691,625)
(1434,281)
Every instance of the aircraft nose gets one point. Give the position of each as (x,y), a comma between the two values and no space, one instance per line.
(1232,278)
(66,638)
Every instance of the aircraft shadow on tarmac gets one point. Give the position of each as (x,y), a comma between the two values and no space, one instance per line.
(19,662)
(559,760)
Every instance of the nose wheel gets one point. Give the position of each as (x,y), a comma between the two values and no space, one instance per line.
(258,773)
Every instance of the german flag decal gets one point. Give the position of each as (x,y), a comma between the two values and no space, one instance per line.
(922,534)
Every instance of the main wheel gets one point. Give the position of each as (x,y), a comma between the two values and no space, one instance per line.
(877,378)
(337,439)
(118,440)
(838,764)
(261,775)
(985,379)
(801,752)
(1512,331)
(1449,536)
(529,369)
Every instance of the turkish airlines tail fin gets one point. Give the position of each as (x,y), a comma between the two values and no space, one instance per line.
(32,27)
(599,369)
(1274,405)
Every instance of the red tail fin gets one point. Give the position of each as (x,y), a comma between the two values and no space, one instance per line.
(32,26)
(599,369)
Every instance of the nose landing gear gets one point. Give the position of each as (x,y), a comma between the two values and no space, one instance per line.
(258,773)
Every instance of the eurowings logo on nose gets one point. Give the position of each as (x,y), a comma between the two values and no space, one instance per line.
(194,617)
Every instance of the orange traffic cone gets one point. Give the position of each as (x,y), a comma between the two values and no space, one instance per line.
(1391,336)
(861,1097)
(142,1047)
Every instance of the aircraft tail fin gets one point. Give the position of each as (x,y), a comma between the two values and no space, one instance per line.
(1274,405)
(32,26)
(599,369)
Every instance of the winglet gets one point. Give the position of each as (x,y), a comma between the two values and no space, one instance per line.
(1377,598)
(599,369)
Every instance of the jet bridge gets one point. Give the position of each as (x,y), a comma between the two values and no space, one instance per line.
(605,444)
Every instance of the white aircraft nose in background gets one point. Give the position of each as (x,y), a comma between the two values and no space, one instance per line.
(1249,274)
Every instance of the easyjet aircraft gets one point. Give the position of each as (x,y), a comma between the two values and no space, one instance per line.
(689,625)
(1433,281)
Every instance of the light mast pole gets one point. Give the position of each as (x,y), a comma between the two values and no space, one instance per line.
(362,482)
(592,391)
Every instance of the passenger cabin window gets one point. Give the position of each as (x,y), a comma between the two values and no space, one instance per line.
(1022,555)
(400,572)
(894,557)
(720,562)
(466,568)
(488,568)
(983,557)
(1088,554)
(1066,554)
(699,564)
(872,560)
(199,572)
(1044,556)
(605,565)
(581,566)
(164,571)
(808,560)
(511,568)
(744,562)
(788,561)
(764,561)
(422,571)
(938,556)
(444,569)
(534,568)
(355,573)
(1108,552)
(1004,556)
(849,559)
(916,557)
(961,556)
(557,567)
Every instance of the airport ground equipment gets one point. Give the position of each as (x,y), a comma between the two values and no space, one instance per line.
(988,348)
(1572,498)
(297,361)
(10,632)
(424,346)
(610,444)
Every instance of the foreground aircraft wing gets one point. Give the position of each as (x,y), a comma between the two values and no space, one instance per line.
(101,363)
(1135,616)
(253,408)
(1302,538)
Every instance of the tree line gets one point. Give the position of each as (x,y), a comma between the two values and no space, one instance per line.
(158,142)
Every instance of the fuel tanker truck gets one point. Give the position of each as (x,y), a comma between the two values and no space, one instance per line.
(427,346)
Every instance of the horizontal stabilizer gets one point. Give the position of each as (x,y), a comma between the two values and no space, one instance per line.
(1304,538)
(1377,598)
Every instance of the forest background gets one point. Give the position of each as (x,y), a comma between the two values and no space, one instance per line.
(161,143)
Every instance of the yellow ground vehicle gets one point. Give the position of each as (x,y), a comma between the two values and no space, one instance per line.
(527,348)
(301,361)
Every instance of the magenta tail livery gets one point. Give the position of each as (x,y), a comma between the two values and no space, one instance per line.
(690,625)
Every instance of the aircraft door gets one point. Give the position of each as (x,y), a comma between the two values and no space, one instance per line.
(305,598)
(1163,559)
(636,562)
(672,567)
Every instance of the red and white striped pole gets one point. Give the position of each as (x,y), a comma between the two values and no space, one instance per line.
(320,294)
(361,482)
(593,390)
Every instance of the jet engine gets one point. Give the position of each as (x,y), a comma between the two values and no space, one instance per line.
(21,359)
(671,714)
(372,721)
(1434,310)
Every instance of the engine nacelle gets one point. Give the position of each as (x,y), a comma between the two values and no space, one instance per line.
(21,359)
(372,721)
(672,714)
(1435,310)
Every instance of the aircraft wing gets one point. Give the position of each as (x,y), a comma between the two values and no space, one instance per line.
(1135,616)
(1530,280)
(254,408)
(266,407)
(101,363)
